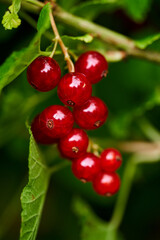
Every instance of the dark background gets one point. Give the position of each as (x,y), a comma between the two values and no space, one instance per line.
(129,85)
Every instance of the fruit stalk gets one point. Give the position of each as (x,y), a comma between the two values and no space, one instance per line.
(70,64)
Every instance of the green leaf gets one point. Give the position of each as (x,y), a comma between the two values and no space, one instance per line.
(33,195)
(17,62)
(92,228)
(137,9)
(69,40)
(90,9)
(145,42)
(10,19)
(44,19)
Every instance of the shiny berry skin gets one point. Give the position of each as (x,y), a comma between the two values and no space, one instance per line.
(43,74)
(56,121)
(92,114)
(111,160)
(38,134)
(74,144)
(106,183)
(86,167)
(93,65)
(74,89)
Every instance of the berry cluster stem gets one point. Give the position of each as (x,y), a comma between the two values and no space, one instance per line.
(70,64)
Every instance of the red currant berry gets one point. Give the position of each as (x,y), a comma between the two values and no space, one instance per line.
(86,167)
(111,160)
(38,134)
(74,144)
(43,74)
(106,183)
(92,114)
(56,121)
(93,65)
(74,89)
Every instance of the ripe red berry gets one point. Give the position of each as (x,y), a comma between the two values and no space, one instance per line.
(93,65)
(111,160)
(86,167)
(92,114)
(38,134)
(74,89)
(106,183)
(74,144)
(43,74)
(56,121)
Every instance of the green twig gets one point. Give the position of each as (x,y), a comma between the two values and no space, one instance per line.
(35,2)
(150,131)
(123,196)
(106,35)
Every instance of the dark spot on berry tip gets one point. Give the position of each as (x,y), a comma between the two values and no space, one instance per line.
(50,124)
(75,149)
(97,124)
(83,180)
(104,73)
(118,158)
(71,103)
(108,194)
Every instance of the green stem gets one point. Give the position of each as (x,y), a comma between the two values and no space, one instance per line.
(123,196)
(118,40)
(150,131)
(28,19)
(106,35)
(35,2)
(103,33)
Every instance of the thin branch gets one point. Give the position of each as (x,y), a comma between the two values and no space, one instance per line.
(123,195)
(106,35)
(70,64)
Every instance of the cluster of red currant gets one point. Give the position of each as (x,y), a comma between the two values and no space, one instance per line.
(55,123)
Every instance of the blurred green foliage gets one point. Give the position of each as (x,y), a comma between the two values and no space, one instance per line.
(132,93)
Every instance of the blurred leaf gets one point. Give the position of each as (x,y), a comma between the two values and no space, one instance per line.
(90,9)
(93,228)
(33,195)
(16,63)
(44,19)
(72,42)
(137,9)
(121,124)
(143,43)
(67,4)
(10,19)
